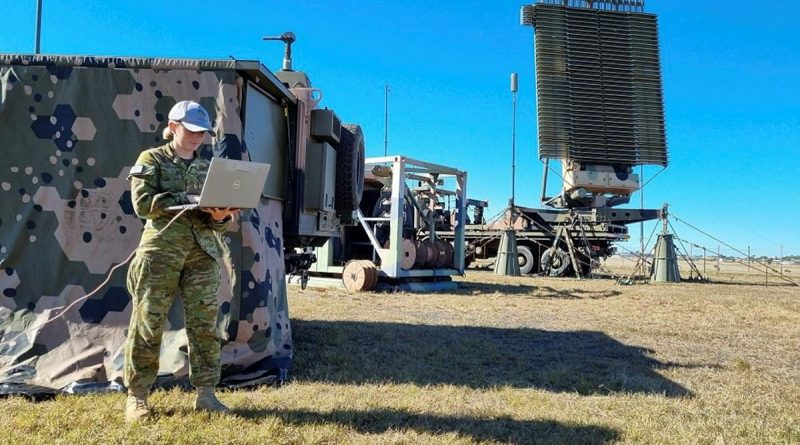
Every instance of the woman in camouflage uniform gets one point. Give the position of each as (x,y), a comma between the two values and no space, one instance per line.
(181,257)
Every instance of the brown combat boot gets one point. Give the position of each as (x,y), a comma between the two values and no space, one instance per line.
(136,408)
(207,401)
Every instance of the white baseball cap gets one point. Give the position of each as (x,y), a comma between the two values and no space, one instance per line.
(192,115)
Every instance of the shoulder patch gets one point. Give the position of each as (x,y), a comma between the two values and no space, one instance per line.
(140,171)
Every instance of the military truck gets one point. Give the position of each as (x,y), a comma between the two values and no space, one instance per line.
(72,126)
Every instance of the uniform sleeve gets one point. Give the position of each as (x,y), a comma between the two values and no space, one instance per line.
(219,226)
(148,201)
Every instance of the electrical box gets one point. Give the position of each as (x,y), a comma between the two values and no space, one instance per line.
(320,193)
(326,126)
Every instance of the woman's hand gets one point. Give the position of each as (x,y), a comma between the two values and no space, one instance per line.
(220,214)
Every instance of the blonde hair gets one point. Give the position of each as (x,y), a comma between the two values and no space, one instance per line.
(167,134)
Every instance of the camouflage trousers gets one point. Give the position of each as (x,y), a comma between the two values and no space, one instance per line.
(154,277)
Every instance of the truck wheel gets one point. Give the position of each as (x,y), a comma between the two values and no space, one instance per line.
(554,262)
(349,170)
(525,259)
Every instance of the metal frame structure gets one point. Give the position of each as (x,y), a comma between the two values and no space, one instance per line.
(398,172)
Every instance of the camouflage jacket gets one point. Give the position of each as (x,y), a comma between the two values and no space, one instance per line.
(161,179)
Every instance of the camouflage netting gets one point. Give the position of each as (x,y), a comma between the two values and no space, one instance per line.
(71,129)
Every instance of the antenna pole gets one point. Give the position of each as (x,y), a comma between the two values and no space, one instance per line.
(386,119)
(641,206)
(287,38)
(38,32)
(514,88)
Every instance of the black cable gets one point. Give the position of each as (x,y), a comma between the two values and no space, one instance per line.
(691,263)
(643,261)
(736,250)
(654,177)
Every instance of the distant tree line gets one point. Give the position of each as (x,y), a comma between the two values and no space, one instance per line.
(769,259)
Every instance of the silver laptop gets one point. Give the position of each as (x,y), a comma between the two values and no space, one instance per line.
(231,183)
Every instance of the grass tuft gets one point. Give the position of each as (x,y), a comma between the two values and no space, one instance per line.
(741,365)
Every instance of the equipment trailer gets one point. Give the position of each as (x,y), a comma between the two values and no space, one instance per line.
(398,242)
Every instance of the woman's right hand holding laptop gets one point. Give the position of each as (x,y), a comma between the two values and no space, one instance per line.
(220,214)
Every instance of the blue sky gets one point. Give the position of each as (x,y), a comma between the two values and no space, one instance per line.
(731,88)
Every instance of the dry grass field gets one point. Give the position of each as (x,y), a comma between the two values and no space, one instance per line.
(730,271)
(501,360)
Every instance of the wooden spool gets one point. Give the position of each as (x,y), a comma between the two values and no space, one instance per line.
(449,253)
(440,248)
(408,255)
(372,270)
(423,254)
(431,255)
(359,275)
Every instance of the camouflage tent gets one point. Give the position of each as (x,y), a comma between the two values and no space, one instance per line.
(70,128)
